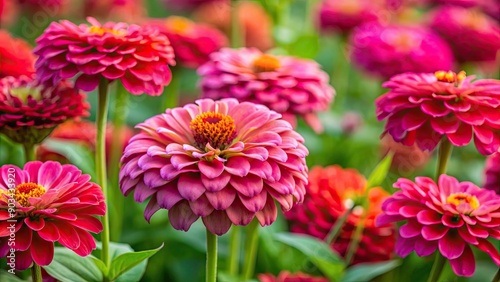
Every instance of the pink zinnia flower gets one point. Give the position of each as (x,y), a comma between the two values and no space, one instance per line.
(122,10)
(16,58)
(192,42)
(223,161)
(29,111)
(331,192)
(287,85)
(490,7)
(138,57)
(492,173)
(48,203)
(422,108)
(388,50)
(286,276)
(458,25)
(344,15)
(448,216)
(190,4)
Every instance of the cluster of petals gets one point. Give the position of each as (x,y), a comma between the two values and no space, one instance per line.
(138,57)
(344,15)
(386,50)
(192,42)
(331,192)
(286,276)
(52,203)
(492,173)
(287,85)
(16,58)
(457,25)
(421,108)
(448,215)
(224,161)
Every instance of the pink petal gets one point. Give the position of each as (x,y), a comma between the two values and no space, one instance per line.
(201,207)
(465,265)
(35,225)
(190,186)
(238,166)
(238,214)
(222,199)
(249,186)
(211,169)
(217,222)
(269,213)
(49,232)
(42,251)
(216,184)
(433,232)
(181,216)
(451,245)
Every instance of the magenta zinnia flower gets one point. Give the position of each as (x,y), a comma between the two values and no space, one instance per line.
(287,85)
(29,111)
(448,216)
(492,173)
(422,108)
(192,42)
(388,50)
(344,15)
(286,276)
(53,203)
(223,161)
(138,57)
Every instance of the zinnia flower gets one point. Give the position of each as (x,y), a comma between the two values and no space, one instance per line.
(189,4)
(448,215)
(45,203)
(286,276)
(406,159)
(490,7)
(30,111)
(192,42)
(458,25)
(136,56)
(16,58)
(331,192)
(422,108)
(8,14)
(389,50)
(492,173)
(121,10)
(223,161)
(287,85)
(344,15)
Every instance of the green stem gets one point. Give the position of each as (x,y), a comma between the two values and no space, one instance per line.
(444,154)
(100,162)
(252,234)
(29,152)
(497,277)
(237,31)
(36,273)
(437,268)
(116,198)
(335,230)
(211,257)
(234,250)
(171,93)
(356,238)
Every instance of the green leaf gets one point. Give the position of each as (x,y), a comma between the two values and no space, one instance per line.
(100,264)
(77,154)
(366,272)
(380,172)
(67,264)
(127,261)
(317,251)
(305,46)
(9,277)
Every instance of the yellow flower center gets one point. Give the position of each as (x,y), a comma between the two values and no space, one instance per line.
(266,63)
(24,92)
(460,198)
(102,30)
(178,24)
(25,191)
(214,128)
(450,77)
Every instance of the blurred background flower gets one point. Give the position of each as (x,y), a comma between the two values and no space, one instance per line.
(16,57)
(286,276)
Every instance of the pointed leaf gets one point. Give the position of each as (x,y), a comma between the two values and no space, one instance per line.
(380,172)
(368,271)
(126,261)
(67,263)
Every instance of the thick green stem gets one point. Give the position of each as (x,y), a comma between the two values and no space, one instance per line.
(251,240)
(171,93)
(437,268)
(444,154)
(100,162)
(29,152)
(234,250)
(36,273)
(211,271)
(335,230)
(497,277)
(116,198)
(237,32)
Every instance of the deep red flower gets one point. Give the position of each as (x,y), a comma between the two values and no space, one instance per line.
(16,58)
(286,276)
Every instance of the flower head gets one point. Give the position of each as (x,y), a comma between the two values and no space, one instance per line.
(192,42)
(122,10)
(422,108)
(457,25)
(16,58)
(287,85)
(344,15)
(286,276)
(331,192)
(490,7)
(189,4)
(492,173)
(223,161)
(388,50)
(448,216)
(29,111)
(138,57)
(53,203)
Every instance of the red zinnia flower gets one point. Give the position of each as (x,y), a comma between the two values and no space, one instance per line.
(331,192)
(286,276)
(224,161)
(136,56)
(49,202)
(422,108)
(492,173)
(16,58)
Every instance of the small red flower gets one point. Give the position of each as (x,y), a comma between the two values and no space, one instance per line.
(286,276)
(16,58)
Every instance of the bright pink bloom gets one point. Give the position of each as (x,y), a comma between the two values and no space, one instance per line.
(190,4)
(287,85)
(458,25)
(492,173)
(385,51)
(223,161)
(422,108)
(448,216)
(16,58)
(192,42)
(286,276)
(138,57)
(490,7)
(344,15)
(53,203)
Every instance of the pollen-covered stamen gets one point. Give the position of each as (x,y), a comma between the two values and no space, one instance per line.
(450,77)
(102,30)
(214,128)
(178,24)
(24,92)
(460,198)
(266,63)
(28,190)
